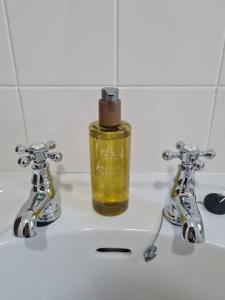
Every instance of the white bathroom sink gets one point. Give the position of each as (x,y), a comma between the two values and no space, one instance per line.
(67,266)
(84,256)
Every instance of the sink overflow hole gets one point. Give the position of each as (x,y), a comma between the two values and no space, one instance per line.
(114,250)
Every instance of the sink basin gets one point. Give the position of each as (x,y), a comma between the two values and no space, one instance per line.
(68,266)
(85,256)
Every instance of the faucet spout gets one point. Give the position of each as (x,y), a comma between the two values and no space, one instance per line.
(25,225)
(190,219)
(193,232)
(186,215)
(38,210)
(183,209)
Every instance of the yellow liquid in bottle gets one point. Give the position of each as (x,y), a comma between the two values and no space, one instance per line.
(110,164)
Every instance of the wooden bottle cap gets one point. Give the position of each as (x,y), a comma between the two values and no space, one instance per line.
(109,113)
(109,108)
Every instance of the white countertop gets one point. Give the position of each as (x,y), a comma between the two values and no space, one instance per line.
(148,195)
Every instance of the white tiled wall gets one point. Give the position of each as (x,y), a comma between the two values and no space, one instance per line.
(167,57)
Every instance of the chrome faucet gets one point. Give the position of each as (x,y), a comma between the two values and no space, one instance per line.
(183,209)
(40,209)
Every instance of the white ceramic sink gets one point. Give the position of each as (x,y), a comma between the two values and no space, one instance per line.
(63,262)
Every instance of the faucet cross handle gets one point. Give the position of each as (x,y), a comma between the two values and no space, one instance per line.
(189,155)
(38,153)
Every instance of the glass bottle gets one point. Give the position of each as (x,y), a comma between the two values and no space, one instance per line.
(110,156)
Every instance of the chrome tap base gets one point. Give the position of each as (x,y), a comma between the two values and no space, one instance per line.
(49,215)
(170,213)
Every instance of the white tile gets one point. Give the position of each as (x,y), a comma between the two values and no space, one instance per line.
(62,115)
(160,118)
(170,42)
(217,140)
(63,42)
(11,129)
(6,71)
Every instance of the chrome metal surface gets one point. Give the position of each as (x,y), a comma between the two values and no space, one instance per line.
(222,194)
(110,94)
(151,249)
(183,209)
(40,209)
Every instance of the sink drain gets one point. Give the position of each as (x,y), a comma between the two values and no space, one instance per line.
(114,250)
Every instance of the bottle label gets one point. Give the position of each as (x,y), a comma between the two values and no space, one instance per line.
(110,161)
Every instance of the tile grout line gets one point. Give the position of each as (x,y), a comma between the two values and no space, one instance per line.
(91,86)
(211,119)
(15,71)
(9,42)
(177,86)
(116,42)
